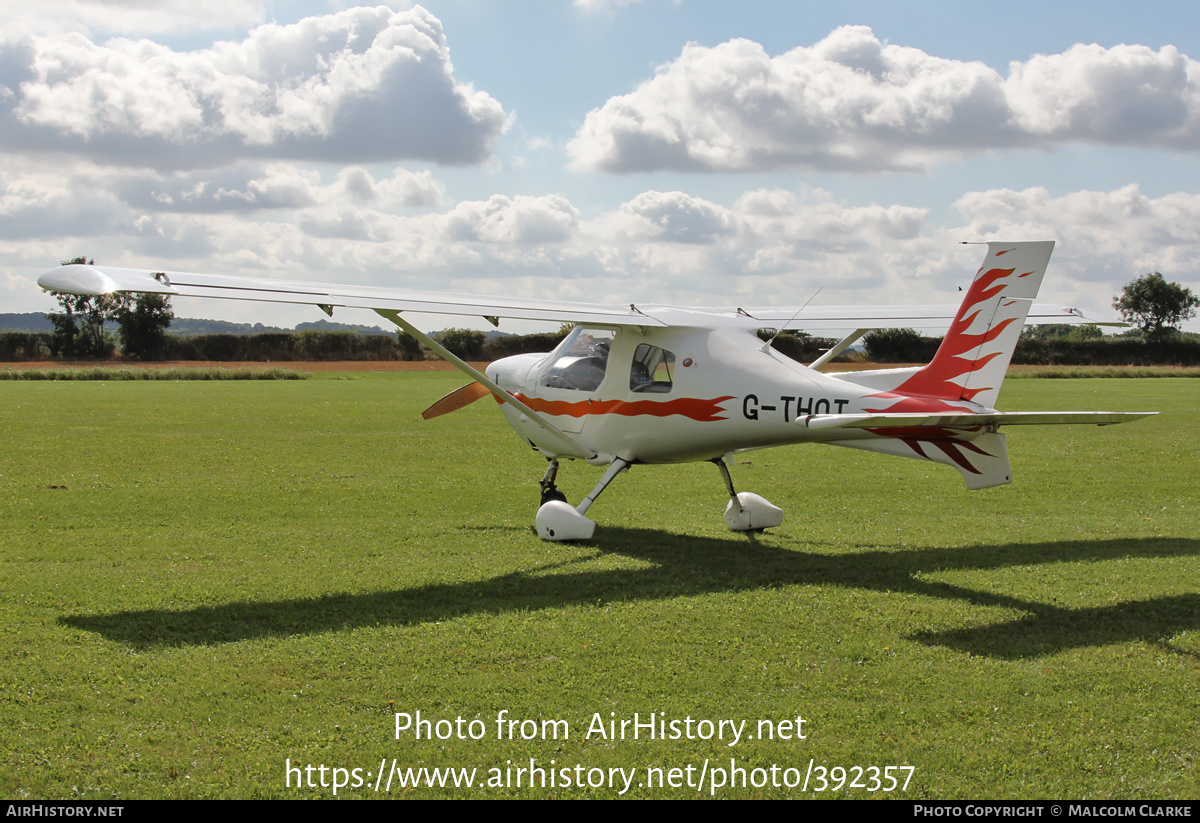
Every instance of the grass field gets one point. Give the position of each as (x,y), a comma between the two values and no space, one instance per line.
(202,582)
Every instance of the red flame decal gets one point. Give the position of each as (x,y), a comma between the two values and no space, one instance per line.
(937,380)
(945,440)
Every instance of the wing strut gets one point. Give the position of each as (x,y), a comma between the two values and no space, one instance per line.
(843,344)
(558,439)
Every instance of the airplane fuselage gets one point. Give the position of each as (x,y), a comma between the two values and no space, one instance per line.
(720,393)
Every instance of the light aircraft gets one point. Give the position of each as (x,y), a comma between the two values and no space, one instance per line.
(644,384)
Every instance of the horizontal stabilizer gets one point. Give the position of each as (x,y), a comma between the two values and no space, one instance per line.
(981,459)
(819,422)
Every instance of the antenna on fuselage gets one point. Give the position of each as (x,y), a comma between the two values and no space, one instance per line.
(767,346)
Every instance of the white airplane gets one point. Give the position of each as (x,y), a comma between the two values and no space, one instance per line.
(634,385)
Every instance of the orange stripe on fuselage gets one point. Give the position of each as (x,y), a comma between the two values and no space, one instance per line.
(702,411)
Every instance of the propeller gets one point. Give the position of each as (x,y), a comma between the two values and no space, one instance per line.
(455,400)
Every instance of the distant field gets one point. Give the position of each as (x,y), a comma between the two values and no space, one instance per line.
(201,582)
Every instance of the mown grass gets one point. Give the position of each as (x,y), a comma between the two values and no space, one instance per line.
(1058,372)
(145,373)
(200,581)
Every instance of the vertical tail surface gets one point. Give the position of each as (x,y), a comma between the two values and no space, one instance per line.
(974,356)
(969,366)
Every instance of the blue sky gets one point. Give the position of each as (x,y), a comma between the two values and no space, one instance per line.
(687,152)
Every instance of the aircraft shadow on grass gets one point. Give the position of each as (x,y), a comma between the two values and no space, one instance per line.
(686,566)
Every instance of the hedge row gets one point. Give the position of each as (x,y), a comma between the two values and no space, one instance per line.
(272,346)
(1110,351)
(18,346)
(282,347)
(803,349)
(885,347)
(894,347)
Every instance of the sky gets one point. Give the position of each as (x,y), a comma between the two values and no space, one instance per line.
(652,151)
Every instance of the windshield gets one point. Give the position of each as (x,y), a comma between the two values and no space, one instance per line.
(581,360)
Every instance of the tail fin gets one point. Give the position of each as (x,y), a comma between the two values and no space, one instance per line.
(974,356)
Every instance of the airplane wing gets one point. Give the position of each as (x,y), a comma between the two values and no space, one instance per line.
(77,279)
(965,421)
(80,279)
(894,317)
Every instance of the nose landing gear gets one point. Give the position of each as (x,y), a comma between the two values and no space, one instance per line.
(556,520)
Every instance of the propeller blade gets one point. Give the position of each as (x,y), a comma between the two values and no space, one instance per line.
(455,400)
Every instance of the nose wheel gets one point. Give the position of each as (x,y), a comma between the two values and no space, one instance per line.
(556,520)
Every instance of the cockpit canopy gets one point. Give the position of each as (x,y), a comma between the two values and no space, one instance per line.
(582,359)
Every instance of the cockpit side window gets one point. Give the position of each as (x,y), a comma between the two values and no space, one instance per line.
(581,360)
(651,371)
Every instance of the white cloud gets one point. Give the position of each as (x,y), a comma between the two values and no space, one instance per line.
(362,85)
(771,246)
(1104,237)
(42,203)
(851,102)
(135,16)
(675,217)
(410,189)
(1126,94)
(249,187)
(519,220)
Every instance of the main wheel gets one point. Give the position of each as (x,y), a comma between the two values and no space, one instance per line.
(552,494)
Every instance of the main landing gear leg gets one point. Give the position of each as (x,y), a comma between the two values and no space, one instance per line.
(556,520)
(747,511)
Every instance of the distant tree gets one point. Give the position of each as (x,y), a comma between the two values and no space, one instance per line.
(1062,331)
(79,327)
(466,343)
(898,346)
(142,324)
(66,328)
(1046,331)
(1088,331)
(410,346)
(1156,306)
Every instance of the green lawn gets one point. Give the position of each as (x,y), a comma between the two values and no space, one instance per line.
(201,582)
